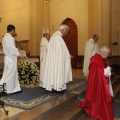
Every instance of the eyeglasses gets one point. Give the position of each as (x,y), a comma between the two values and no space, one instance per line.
(107,53)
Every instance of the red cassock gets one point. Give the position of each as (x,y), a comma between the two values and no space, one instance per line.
(98,101)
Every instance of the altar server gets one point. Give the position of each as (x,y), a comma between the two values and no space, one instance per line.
(10,73)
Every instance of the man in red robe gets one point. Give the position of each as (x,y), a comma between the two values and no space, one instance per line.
(98,97)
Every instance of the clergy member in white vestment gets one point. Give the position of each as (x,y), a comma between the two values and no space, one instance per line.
(10,73)
(17,43)
(58,70)
(91,48)
(43,53)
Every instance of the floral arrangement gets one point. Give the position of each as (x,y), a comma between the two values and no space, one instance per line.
(28,72)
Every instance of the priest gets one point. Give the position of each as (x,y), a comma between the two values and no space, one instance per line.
(17,43)
(43,53)
(58,70)
(10,73)
(98,97)
(91,48)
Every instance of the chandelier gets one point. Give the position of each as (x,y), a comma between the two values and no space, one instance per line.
(45,1)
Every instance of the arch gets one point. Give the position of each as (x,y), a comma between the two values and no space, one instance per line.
(71,39)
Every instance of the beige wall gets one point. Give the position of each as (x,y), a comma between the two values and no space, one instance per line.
(91,16)
(115,26)
(46,15)
(36,25)
(74,9)
(39,19)
(31,16)
(28,17)
(15,12)
(99,20)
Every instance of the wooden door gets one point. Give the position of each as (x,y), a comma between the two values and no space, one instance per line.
(71,39)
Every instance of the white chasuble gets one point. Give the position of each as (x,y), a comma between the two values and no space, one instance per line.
(58,70)
(43,54)
(10,73)
(91,48)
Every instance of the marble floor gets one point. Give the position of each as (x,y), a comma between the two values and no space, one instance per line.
(13,111)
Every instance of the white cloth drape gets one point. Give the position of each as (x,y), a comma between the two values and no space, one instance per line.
(91,48)
(58,64)
(10,73)
(107,72)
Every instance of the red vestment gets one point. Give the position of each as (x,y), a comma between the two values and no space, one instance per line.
(98,101)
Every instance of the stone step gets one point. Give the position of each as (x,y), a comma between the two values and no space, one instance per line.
(117,97)
(116,88)
(112,75)
(46,110)
(86,117)
(72,112)
(116,78)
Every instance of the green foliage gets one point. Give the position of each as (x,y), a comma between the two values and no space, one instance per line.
(28,72)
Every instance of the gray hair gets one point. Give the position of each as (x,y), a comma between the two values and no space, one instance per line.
(63,27)
(104,49)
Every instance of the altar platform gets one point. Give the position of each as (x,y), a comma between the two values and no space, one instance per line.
(63,107)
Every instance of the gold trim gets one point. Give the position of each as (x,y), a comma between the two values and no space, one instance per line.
(35,102)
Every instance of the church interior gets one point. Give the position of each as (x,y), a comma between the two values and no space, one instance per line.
(84,18)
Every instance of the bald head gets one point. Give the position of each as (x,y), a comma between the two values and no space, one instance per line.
(64,29)
(95,37)
(104,51)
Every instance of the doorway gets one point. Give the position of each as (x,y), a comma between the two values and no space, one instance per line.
(71,39)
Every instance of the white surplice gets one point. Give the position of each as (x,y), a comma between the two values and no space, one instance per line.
(91,48)
(58,69)
(43,54)
(10,73)
(107,72)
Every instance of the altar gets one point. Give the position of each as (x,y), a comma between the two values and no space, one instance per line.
(31,59)
(34,61)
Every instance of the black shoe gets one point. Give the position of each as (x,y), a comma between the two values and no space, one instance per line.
(54,91)
(65,90)
(58,92)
